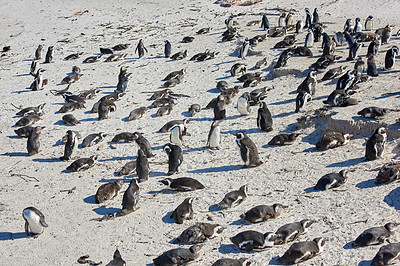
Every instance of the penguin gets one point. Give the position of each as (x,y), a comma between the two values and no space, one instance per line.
(124,137)
(38,83)
(115,57)
(165,109)
(390,57)
(346,81)
(248,150)
(140,48)
(33,143)
(222,85)
(73,56)
(299,26)
(214,135)
(176,136)
(374,46)
(34,222)
(371,66)
(131,198)
(161,94)
(167,49)
(183,212)
(28,120)
(70,106)
(71,78)
(199,233)
(308,19)
(244,49)
(179,55)
(204,31)
(127,169)
(182,183)
(301,100)
(284,138)
(106,51)
(49,55)
(233,198)
(123,82)
(232,262)
(70,120)
(169,125)
(348,26)
(178,256)
(334,72)
(282,60)
(353,51)
(76,70)
(38,52)
(302,251)
(250,240)
(142,166)
(386,33)
(386,255)
(289,19)
(329,47)
(162,102)
(143,144)
(219,109)
(117,259)
(309,42)
(375,146)
(357,27)
(120,47)
(373,112)
(73,98)
(302,51)
(315,16)
(281,20)
(290,232)
(359,67)
(108,191)
(24,132)
(187,39)
(34,67)
(369,23)
(93,139)
(137,113)
(243,104)
(172,82)
(105,107)
(375,235)
(82,164)
(248,76)
(194,109)
(389,172)
(264,117)
(309,84)
(31,110)
(262,213)
(175,157)
(331,139)
(70,144)
(260,63)
(265,22)
(331,180)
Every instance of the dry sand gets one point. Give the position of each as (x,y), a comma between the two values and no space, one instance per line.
(287,173)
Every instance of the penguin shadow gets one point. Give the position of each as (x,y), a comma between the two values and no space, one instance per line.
(12,236)
(107,87)
(14,137)
(126,179)
(384,72)
(167,220)
(90,199)
(230,249)
(157,174)
(367,184)
(47,160)
(213,90)
(165,191)
(26,90)
(226,77)
(195,149)
(61,123)
(118,159)
(214,208)
(200,119)
(15,154)
(227,62)
(284,102)
(283,114)
(365,263)
(125,119)
(23,75)
(186,114)
(392,199)
(225,168)
(103,210)
(347,163)
(330,82)
(91,119)
(247,131)
(240,222)
(154,57)
(383,96)
(159,147)
(293,92)
(348,245)
(274,261)
(311,190)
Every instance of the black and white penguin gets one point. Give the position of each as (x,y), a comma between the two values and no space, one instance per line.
(127,169)
(117,259)
(261,63)
(289,19)
(262,213)
(178,256)
(375,235)
(142,166)
(31,110)
(38,82)
(250,239)
(359,66)
(137,113)
(265,22)
(353,51)
(374,46)
(175,157)
(233,198)
(165,109)
(333,73)
(299,26)
(331,139)
(219,109)
(264,117)
(232,262)
(348,26)
(179,55)
(301,100)
(93,139)
(290,232)
(369,23)
(140,49)
(390,57)
(108,191)
(214,136)
(248,150)
(346,80)
(244,49)
(243,104)
(70,120)
(309,84)
(309,42)
(120,47)
(308,22)
(373,112)
(281,20)
(184,211)
(222,85)
(38,52)
(371,66)
(123,82)
(187,39)
(143,144)
(124,137)
(283,58)
(357,27)
(70,145)
(131,198)
(28,120)
(194,109)
(33,143)
(34,67)
(302,251)
(331,180)
(82,164)
(182,183)
(34,222)
(106,106)
(167,49)
(199,233)
(386,255)
(283,139)
(49,55)
(176,136)
(315,16)
(375,146)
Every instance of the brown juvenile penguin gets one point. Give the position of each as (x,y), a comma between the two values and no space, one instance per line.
(33,143)
(183,212)
(108,191)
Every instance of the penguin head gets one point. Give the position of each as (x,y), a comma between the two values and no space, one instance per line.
(320,241)
(103,135)
(306,223)
(358,19)
(391,226)
(343,68)
(344,173)
(245,261)
(244,189)
(370,17)
(381,131)
(216,123)
(167,148)
(241,135)
(395,49)
(94,158)
(277,207)
(188,201)
(195,248)
(166,181)
(270,237)
(313,74)
(119,183)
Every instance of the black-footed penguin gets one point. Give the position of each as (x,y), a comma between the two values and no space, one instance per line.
(137,113)
(93,139)
(24,132)
(214,136)
(369,23)
(373,112)
(33,143)
(299,26)
(353,51)
(219,109)
(309,42)
(123,82)
(222,85)
(142,166)
(265,22)
(121,46)
(117,259)
(371,66)
(108,191)
(127,169)
(131,198)
(302,251)
(179,55)
(187,39)
(34,67)
(332,139)
(289,19)
(34,221)
(248,150)
(389,172)
(359,67)
(264,117)
(261,213)
(194,109)
(376,144)
(357,26)
(334,72)
(167,49)
(184,211)
(38,52)
(346,81)
(140,48)
(348,26)
(175,157)
(249,240)
(31,110)
(281,20)
(175,74)
(143,144)
(70,144)
(375,235)
(390,57)
(290,232)
(244,49)
(105,107)
(248,76)
(308,22)
(124,137)
(28,120)
(82,164)
(331,180)
(302,51)
(232,262)
(282,60)
(70,106)
(386,255)
(284,138)
(70,120)
(39,82)
(233,198)
(309,84)
(243,104)
(315,16)
(176,136)
(178,256)
(49,55)
(199,233)
(182,183)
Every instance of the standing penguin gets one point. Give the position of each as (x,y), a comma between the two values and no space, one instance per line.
(302,251)
(346,81)
(309,42)
(167,49)
(371,66)
(264,117)
(289,19)
(140,48)
(299,26)
(315,16)
(38,82)
(369,23)
(142,166)
(376,144)
(70,144)
(233,198)
(38,53)
(265,22)
(244,49)
(390,57)
(302,98)
(359,66)
(49,55)
(243,104)
(281,20)
(131,198)
(309,84)
(357,27)
(353,51)
(175,157)
(33,143)
(143,144)
(308,18)
(117,259)
(348,26)
(123,82)
(219,108)
(248,150)
(34,221)
(184,211)
(214,136)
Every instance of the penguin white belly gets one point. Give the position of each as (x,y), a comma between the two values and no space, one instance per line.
(215,138)
(244,243)
(86,165)
(34,222)
(302,257)
(328,186)
(236,202)
(290,235)
(242,106)
(175,137)
(391,261)
(332,144)
(267,244)
(215,233)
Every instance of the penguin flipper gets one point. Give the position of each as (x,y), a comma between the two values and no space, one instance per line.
(26,227)
(42,222)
